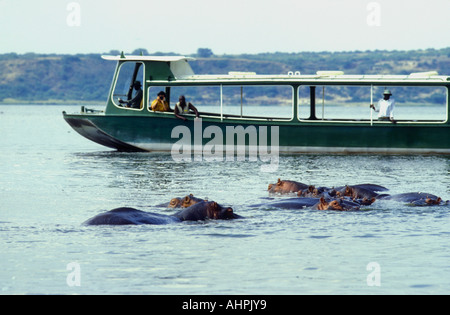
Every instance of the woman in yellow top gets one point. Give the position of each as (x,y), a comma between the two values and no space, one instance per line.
(160,104)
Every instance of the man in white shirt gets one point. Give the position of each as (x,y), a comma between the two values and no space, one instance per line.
(385,107)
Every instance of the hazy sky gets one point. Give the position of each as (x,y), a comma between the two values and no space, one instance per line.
(226,27)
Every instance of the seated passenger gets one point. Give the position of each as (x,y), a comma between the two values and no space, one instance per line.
(135,102)
(182,108)
(160,104)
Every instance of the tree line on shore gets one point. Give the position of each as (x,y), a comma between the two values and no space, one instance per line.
(36,77)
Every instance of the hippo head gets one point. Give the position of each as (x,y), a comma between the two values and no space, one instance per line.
(366,201)
(217,212)
(348,191)
(428,201)
(184,202)
(335,204)
(286,186)
(432,201)
(272,187)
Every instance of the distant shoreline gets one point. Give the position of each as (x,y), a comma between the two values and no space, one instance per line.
(51,102)
(85,79)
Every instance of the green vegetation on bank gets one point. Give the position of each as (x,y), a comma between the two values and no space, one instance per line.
(84,78)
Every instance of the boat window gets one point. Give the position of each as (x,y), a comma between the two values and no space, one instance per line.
(125,94)
(412,103)
(266,101)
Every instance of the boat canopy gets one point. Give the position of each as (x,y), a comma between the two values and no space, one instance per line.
(180,70)
(179,66)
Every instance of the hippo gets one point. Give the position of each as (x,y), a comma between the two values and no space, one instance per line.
(416,198)
(312,203)
(206,210)
(286,187)
(200,211)
(358,192)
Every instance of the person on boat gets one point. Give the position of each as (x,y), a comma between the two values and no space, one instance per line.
(135,102)
(160,104)
(182,108)
(386,107)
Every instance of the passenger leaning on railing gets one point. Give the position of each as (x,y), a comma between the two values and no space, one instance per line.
(182,108)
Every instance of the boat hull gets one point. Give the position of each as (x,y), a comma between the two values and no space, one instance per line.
(160,132)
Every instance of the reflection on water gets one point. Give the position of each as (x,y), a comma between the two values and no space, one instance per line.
(52,180)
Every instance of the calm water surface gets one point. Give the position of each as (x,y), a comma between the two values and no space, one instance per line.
(52,180)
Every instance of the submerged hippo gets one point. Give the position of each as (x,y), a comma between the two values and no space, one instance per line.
(200,211)
(286,187)
(290,203)
(358,192)
(417,198)
(312,203)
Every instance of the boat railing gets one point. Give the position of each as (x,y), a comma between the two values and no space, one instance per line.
(244,117)
(300,120)
(90,110)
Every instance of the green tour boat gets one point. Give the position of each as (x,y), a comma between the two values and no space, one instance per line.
(249,113)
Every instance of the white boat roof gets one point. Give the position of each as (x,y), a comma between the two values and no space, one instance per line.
(311,78)
(149,58)
(182,71)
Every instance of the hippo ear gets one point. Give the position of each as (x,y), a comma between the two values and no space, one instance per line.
(322,200)
(279,182)
(187,199)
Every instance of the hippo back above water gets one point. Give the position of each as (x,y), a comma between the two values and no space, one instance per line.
(126,216)
(417,198)
(203,210)
(358,192)
(206,210)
